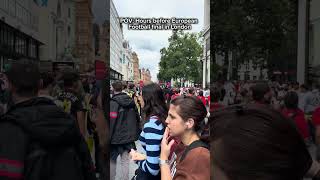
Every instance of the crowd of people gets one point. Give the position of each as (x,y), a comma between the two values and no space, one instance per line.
(52,126)
(265,130)
(170,125)
(68,126)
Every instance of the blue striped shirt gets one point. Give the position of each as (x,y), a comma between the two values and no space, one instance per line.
(150,139)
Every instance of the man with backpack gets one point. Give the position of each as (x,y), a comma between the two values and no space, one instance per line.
(39,141)
(124,130)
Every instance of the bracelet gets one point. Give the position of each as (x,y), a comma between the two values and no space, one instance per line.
(163,162)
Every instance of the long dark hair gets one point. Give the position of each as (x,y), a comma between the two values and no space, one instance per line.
(154,102)
(192,107)
(256,142)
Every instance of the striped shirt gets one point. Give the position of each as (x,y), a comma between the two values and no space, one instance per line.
(150,139)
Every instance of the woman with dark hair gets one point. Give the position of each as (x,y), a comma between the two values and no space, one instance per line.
(155,112)
(251,142)
(186,122)
(292,112)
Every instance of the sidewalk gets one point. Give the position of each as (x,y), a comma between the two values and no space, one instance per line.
(132,166)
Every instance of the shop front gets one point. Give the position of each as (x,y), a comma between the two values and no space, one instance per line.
(15,44)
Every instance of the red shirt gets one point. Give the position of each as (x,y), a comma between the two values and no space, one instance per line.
(215,106)
(174,96)
(316,117)
(203,99)
(299,120)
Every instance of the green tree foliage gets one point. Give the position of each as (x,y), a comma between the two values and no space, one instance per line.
(180,60)
(257,30)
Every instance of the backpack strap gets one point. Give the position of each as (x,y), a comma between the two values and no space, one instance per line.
(193,145)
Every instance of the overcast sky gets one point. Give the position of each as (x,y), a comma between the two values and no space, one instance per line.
(147,44)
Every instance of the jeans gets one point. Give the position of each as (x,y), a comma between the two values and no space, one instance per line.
(124,167)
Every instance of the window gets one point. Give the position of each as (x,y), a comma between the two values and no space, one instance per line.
(10,40)
(32,49)
(69,12)
(246,76)
(12,8)
(4,5)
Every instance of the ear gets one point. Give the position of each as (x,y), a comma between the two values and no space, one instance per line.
(190,123)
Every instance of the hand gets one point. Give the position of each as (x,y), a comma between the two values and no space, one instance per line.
(165,146)
(135,156)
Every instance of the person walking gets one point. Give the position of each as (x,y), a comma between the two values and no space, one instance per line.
(124,130)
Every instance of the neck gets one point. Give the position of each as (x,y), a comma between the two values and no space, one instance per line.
(189,137)
(44,92)
(117,92)
(18,99)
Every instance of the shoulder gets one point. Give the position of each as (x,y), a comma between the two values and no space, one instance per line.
(153,126)
(187,169)
(10,128)
(198,155)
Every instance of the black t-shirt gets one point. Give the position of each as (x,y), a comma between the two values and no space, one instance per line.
(70,103)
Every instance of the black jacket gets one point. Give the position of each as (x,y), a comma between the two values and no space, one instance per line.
(124,120)
(36,120)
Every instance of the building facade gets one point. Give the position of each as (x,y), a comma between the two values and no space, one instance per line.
(206,50)
(251,71)
(57,24)
(145,75)
(116,46)
(19,30)
(127,65)
(84,51)
(136,72)
(101,30)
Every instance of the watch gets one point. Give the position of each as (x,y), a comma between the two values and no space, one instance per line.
(163,162)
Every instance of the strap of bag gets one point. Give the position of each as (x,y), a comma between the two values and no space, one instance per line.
(193,145)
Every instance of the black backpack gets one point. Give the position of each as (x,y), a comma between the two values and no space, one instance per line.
(129,116)
(57,163)
(64,162)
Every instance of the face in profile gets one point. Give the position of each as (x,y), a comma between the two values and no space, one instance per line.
(175,123)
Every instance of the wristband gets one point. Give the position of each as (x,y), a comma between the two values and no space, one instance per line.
(163,162)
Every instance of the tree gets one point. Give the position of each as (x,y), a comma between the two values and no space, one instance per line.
(256,30)
(180,60)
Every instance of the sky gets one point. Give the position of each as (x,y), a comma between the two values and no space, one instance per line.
(147,43)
